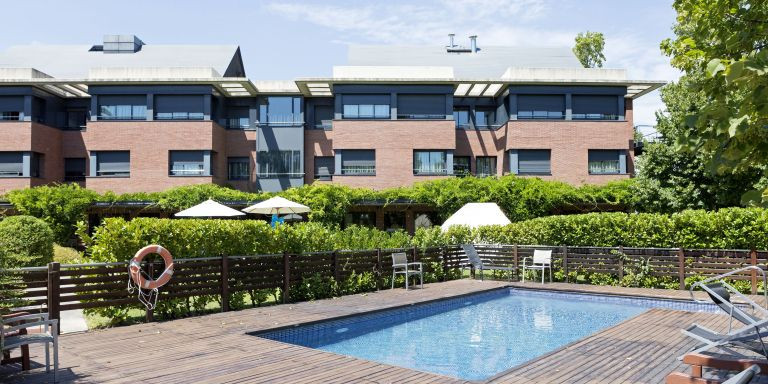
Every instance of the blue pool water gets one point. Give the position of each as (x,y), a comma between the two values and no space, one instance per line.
(472,337)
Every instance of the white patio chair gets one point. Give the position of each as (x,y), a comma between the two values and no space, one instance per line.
(48,336)
(400,265)
(542,259)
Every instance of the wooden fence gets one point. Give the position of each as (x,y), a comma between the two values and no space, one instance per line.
(57,287)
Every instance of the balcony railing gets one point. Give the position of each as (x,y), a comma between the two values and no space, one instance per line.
(594,116)
(358,170)
(430,171)
(275,175)
(324,125)
(10,116)
(122,117)
(289,120)
(540,115)
(179,116)
(11,173)
(422,116)
(607,167)
(237,123)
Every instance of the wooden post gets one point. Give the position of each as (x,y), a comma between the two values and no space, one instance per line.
(379,268)
(565,262)
(414,254)
(444,260)
(150,313)
(753,278)
(681,268)
(54,296)
(621,262)
(286,276)
(517,262)
(224,283)
(335,262)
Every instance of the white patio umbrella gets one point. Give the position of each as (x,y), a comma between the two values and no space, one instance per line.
(209,208)
(277,206)
(474,215)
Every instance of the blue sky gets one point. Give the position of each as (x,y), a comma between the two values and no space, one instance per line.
(289,39)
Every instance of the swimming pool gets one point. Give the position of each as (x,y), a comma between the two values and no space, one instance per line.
(473,337)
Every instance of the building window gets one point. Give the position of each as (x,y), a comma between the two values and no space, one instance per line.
(394,221)
(602,162)
(238,168)
(485,118)
(189,163)
(113,163)
(179,107)
(323,117)
(128,107)
(281,110)
(237,118)
(420,107)
(11,108)
(366,106)
(461,167)
(365,219)
(279,163)
(429,163)
(485,166)
(461,118)
(533,162)
(358,162)
(11,164)
(74,169)
(76,119)
(541,107)
(324,167)
(595,107)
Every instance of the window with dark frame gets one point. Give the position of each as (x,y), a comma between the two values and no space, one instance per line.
(74,169)
(11,164)
(187,163)
(534,162)
(429,162)
(122,107)
(359,162)
(604,161)
(461,118)
(544,107)
(279,163)
(238,168)
(324,167)
(461,166)
(113,163)
(485,166)
(363,219)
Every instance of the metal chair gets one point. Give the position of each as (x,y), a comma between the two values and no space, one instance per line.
(400,265)
(11,337)
(478,264)
(5,357)
(542,259)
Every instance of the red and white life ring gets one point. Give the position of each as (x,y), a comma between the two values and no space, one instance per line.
(135,267)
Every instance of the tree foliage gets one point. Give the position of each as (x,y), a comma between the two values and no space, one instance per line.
(25,241)
(725,41)
(669,180)
(589,49)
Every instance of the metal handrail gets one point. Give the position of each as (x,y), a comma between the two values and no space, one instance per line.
(721,276)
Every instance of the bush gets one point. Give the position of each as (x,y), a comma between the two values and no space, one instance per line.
(25,242)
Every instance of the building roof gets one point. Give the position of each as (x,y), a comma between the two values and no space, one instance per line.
(488,62)
(77,61)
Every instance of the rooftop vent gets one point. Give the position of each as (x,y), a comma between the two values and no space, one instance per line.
(453,48)
(120,44)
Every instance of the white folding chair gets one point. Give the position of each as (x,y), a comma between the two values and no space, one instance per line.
(49,336)
(542,259)
(400,265)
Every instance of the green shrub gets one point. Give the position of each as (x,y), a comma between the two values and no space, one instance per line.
(25,242)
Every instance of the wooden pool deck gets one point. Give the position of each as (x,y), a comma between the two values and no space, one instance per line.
(215,348)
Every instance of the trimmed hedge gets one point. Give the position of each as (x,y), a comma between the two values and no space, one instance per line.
(62,206)
(25,242)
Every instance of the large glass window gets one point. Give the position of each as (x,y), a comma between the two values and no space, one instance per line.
(179,107)
(604,161)
(237,118)
(11,108)
(534,162)
(420,106)
(365,219)
(461,166)
(394,221)
(366,106)
(279,163)
(323,116)
(76,119)
(429,163)
(11,164)
(281,110)
(358,162)
(238,168)
(540,107)
(461,118)
(123,107)
(485,118)
(113,163)
(595,107)
(74,169)
(485,166)
(324,167)
(188,163)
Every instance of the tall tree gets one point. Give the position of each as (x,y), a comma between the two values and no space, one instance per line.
(589,49)
(726,41)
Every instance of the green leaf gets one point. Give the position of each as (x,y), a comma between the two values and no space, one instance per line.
(714,66)
(751,198)
(734,71)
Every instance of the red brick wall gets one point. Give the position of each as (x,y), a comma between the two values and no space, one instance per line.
(35,137)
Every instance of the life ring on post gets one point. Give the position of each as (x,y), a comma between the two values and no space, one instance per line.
(135,267)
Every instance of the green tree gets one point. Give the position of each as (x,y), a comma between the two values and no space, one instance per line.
(589,49)
(725,41)
(669,180)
